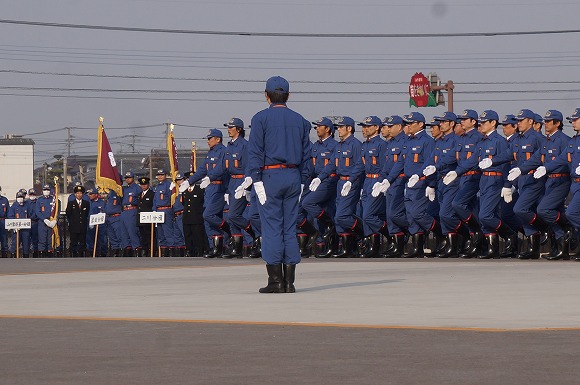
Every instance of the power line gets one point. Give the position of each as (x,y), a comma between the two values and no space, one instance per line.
(285,34)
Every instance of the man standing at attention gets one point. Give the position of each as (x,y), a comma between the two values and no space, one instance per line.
(278,151)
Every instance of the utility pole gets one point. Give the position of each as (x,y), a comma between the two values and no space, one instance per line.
(64,160)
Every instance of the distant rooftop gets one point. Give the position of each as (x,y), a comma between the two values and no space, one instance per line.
(12,139)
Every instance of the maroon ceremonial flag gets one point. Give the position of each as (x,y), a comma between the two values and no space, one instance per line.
(107,174)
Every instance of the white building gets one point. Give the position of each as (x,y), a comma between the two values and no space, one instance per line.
(16,165)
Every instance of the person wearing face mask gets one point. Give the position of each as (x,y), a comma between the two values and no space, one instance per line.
(4,206)
(31,201)
(43,210)
(20,210)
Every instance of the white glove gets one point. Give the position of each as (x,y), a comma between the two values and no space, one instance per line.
(514,174)
(241,189)
(506,194)
(449,178)
(171,186)
(260,192)
(50,223)
(429,170)
(47,222)
(380,188)
(248,195)
(205,182)
(430,193)
(413,180)
(227,198)
(91,227)
(578,170)
(183,186)
(485,163)
(540,172)
(247,182)
(301,191)
(314,184)
(346,188)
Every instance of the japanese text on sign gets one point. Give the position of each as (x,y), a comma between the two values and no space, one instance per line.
(152,217)
(13,224)
(97,219)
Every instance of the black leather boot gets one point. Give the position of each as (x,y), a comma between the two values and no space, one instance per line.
(533,249)
(302,245)
(492,249)
(289,276)
(331,246)
(237,246)
(313,234)
(347,246)
(398,246)
(225,227)
(329,228)
(417,243)
(562,250)
(218,247)
(256,250)
(275,280)
(543,227)
(511,241)
(475,239)
(451,247)
(373,245)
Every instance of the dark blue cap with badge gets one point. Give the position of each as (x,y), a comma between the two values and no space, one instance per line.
(393,120)
(414,117)
(324,121)
(179,176)
(235,122)
(469,114)
(554,115)
(129,174)
(46,187)
(525,114)
(509,119)
(371,121)
(144,180)
(488,115)
(448,116)
(160,172)
(538,118)
(277,84)
(92,191)
(575,115)
(344,121)
(23,191)
(214,133)
(20,194)
(31,192)
(435,122)
(78,188)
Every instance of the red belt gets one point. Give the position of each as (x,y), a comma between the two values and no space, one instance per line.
(114,215)
(344,177)
(332,175)
(163,207)
(423,177)
(373,176)
(576,180)
(401,175)
(531,172)
(472,173)
(217,182)
(492,173)
(557,175)
(272,166)
(237,176)
(129,207)
(178,213)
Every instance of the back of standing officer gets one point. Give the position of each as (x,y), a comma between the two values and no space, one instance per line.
(278,152)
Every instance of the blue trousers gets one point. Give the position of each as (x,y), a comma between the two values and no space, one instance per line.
(552,204)
(34,235)
(165,230)
(237,207)
(465,201)
(101,242)
(373,208)
(24,238)
(44,236)
(507,212)
(573,211)
(531,192)
(346,207)
(253,215)
(279,215)
(178,237)
(3,236)
(115,232)
(395,207)
(416,204)
(213,212)
(129,222)
(489,203)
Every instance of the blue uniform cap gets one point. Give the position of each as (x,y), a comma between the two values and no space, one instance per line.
(129,174)
(525,114)
(31,192)
(46,187)
(538,118)
(509,119)
(434,122)
(160,172)
(554,115)
(344,121)
(19,194)
(144,180)
(277,84)
(235,122)
(448,116)
(214,133)
(414,117)
(179,176)
(575,115)
(92,191)
(324,122)
(469,114)
(393,120)
(79,188)
(22,191)
(371,121)
(488,115)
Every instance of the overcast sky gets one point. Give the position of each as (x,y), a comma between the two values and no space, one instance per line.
(200,81)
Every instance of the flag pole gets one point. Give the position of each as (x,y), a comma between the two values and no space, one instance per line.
(95,243)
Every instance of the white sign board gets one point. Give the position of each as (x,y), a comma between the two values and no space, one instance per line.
(97,219)
(13,224)
(152,217)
